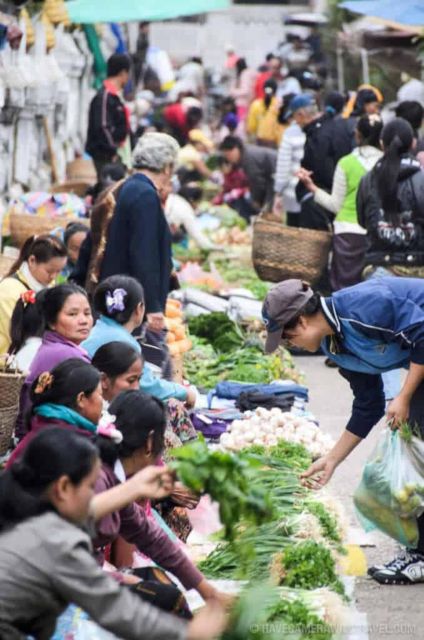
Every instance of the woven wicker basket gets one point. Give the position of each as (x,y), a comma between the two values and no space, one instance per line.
(82,169)
(280,252)
(10,387)
(8,417)
(24,225)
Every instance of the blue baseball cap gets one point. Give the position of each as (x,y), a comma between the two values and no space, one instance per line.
(300,102)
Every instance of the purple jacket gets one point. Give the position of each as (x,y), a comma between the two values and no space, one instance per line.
(53,350)
(133,524)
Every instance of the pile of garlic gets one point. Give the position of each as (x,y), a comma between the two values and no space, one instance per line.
(266,428)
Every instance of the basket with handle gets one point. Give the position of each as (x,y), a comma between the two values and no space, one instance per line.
(11,381)
(280,252)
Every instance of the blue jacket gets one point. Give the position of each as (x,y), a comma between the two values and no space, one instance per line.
(107,330)
(379,326)
(139,241)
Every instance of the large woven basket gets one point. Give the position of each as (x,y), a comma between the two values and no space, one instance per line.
(280,252)
(24,225)
(82,169)
(10,387)
(8,417)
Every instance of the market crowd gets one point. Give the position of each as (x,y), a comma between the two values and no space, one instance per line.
(96,425)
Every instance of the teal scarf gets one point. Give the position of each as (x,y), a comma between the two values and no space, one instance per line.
(60,412)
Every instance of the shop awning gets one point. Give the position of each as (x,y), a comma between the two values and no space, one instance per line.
(91,11)
(405,12)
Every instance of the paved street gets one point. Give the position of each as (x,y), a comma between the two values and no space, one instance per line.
(393,612)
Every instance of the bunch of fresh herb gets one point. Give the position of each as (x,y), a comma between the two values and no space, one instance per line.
(227,479)
(309,565)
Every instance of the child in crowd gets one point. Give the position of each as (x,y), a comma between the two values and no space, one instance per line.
(46,503)
(235,190)
(74,236)
(26,328)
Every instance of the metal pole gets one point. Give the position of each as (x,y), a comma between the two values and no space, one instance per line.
(340,70)
(365,66)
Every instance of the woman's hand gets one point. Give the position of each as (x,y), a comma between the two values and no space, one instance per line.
(319,473)
(153,483)
(398,411)
(209,623)
(209,593)
(305,176)
(155,322)
(183,497)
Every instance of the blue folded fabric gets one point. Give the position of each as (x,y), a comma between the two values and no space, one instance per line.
(231,390)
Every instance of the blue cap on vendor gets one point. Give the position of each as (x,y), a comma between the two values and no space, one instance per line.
(282,304)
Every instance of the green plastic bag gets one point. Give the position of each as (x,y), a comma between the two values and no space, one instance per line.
(390,495)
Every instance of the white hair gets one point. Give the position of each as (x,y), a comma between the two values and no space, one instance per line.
(155,151)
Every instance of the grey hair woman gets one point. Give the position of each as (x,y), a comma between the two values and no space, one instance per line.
(135,238)
(155,153)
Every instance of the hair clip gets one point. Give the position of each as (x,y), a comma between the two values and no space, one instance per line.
(107,429)
(44,381)
(115,300)
(28,297)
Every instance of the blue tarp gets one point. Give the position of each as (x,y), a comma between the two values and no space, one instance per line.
(409,12)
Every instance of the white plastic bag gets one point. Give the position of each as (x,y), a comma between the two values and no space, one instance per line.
(390,496)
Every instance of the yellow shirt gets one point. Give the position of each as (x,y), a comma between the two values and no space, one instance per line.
(263,123)
(10,290)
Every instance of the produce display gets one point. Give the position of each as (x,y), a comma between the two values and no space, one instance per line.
(176,336)
(242,276)
(267,427)
(221,333)
(263,613)
(281,549)
(227,479)
(234,235)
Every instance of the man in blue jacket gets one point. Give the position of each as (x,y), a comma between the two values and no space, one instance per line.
(373,327)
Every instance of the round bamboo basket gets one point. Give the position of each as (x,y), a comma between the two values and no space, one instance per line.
(83,170)
(24,225)
(280,252)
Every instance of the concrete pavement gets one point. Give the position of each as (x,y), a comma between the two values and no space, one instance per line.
(393,612)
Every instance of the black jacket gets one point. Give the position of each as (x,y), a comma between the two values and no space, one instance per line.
(259,164)
(401,242)
(139,241)
(328,139)
(107,125)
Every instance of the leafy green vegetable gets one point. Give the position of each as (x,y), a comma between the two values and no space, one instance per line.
(183,254)
(205,368)
(227,479)
(261,614)
(327,521)
(242,276)
(309,565)
(221,333)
